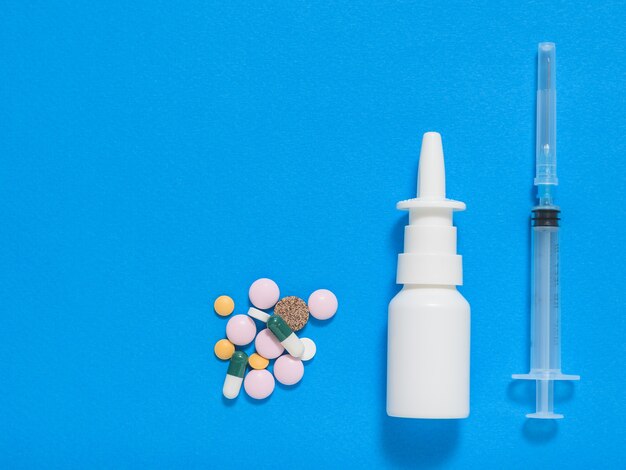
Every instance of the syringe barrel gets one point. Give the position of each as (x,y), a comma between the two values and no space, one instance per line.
(545,352)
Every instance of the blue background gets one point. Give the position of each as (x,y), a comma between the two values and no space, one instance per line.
(155,155)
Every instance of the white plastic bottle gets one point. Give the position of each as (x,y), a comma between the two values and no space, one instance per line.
(428,346)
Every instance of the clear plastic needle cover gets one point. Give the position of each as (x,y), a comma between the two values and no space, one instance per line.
(546,123)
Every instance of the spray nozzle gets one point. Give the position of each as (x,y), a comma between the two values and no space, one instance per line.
(431,178)
(429,256)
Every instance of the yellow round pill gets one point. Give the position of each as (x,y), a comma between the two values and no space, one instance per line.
(224,349)
(258,362)
(224,305)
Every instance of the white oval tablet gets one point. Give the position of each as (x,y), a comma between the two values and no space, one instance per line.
(309,349)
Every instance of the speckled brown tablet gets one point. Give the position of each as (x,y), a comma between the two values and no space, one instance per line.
(294,311)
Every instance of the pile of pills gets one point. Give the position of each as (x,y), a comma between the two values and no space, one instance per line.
(277,338)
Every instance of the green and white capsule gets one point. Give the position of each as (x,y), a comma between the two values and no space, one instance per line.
(234,375)
(286,336)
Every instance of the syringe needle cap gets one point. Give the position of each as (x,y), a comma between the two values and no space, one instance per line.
(546,61)
(431,175)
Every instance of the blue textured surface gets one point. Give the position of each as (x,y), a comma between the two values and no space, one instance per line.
(155,155)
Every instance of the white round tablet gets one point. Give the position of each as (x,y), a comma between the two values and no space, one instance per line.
(258,314)
(309,349)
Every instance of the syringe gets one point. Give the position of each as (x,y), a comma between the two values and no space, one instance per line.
(545,347)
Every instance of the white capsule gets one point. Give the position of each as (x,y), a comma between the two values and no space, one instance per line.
(293,345)
(232,385)
(258,314)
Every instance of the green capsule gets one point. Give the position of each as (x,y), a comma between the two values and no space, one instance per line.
(286,336)
(278,326)
(238,363)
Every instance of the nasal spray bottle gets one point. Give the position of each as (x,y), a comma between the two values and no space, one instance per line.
(428,346)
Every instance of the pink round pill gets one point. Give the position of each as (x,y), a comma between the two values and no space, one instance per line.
(322,304)
(259,384)
(264,293)
(240,330)
(267,345)
(288,370)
